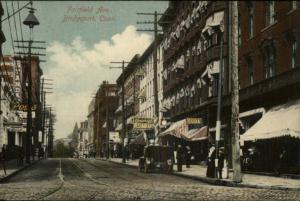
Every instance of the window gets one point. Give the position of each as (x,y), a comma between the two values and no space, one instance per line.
(270,13)
(293,5)
(250,71)
(270,62)
(239,31)
(251,22)
(294,53)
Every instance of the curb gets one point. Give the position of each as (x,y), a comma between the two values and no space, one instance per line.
(218,182)
(8,176)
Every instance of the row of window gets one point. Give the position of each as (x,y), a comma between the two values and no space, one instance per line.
(270,16)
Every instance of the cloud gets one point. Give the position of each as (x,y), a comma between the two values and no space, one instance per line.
(78,70)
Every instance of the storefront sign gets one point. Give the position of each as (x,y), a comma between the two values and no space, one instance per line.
(22,107)
(194,121)
(143,123)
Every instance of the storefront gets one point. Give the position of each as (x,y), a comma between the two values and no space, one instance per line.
(274,140)
(188,132)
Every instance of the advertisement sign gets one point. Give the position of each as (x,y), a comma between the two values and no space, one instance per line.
(143,123)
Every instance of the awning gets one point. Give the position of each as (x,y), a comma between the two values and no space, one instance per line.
(283,120)
(214,20)
(130,120)
(196,134)
(172,129)
(140,139)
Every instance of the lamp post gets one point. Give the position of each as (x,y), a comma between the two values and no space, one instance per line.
(30,21)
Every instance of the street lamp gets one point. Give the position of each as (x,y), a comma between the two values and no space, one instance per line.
(30,21)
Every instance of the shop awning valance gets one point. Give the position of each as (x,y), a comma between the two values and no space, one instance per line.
(172,129)
(197,134)
(283,120)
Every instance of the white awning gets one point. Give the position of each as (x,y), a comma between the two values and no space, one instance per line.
(283,120)
(214,20)
(130,120)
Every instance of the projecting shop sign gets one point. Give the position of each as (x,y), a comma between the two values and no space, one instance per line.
(143,123)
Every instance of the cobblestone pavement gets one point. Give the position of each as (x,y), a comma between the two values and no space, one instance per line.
(74,179)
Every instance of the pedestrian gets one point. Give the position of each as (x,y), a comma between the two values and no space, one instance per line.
(188,155)
(211,162)
(221,158)
(179,158)
(282,162)
(3,158)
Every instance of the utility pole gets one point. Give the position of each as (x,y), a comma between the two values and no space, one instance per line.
(123,109)
(155,85)
(218,123)
(236,163)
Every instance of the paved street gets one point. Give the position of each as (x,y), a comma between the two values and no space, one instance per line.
(75,179)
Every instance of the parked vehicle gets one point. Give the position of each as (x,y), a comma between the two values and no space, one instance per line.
(157,158)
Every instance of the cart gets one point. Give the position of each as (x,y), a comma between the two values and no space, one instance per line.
(157,158)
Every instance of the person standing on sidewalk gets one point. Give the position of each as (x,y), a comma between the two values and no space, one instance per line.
(3,158)
(211,162)
(188,155)
(221,162)
(179,158)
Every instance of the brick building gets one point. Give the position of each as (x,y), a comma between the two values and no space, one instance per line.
(105,104)
(270,81)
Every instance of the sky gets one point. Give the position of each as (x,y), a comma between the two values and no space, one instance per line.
(82,37)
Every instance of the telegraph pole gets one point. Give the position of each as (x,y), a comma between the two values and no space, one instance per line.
(123,109)
(155,87)
(236,163)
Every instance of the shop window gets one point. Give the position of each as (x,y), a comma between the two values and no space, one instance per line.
(294,53)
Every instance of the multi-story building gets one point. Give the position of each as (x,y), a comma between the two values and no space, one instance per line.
(12,128)
(105,105)
(146,90)
(268,38)
(90,116)
(191,57)
(131,79)
(270,81)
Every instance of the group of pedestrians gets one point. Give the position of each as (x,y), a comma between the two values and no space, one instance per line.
(212,170)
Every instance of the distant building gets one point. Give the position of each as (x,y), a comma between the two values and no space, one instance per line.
(82,146)
(90,116)
(106,102)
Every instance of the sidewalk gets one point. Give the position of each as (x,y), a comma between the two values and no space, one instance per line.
(249,180)
(12,169)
